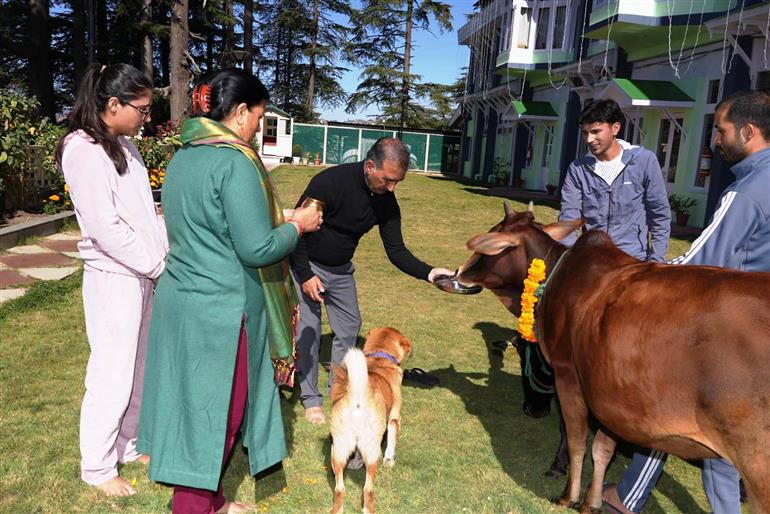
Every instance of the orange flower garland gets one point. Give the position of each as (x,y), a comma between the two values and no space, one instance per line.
(536,274)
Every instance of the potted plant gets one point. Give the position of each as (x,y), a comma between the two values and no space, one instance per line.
(681,206)
(551,188)
(317,160)
(519,183)
(296,153)
(501,171)
(307,157)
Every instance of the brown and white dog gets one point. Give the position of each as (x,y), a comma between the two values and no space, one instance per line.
(366,399)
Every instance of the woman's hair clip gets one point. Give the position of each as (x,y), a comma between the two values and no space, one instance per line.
(201,99)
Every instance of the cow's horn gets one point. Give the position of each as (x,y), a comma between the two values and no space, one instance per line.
(531,207)
(507,208)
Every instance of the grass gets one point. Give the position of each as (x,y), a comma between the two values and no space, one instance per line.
(465,445)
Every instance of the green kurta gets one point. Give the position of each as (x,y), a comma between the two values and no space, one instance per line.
(219,232)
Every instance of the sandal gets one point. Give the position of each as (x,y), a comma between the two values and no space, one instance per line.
(421,376)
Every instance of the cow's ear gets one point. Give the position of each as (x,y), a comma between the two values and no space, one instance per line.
(493,243)
(562,229)
(507,208)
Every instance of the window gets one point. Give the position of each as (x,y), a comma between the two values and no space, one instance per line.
(508,27)
(525,22)
(634,129)
(559,27)
(529,157)
(706,142)
(713,92)
(669,139)
(271,130)
(547,147)
(287,130)
(543,20)
(467,149)
(763,81)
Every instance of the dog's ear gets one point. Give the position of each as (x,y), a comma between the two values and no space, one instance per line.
(406,345)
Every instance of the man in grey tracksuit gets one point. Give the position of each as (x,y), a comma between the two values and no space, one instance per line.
(738,237)
(617,187)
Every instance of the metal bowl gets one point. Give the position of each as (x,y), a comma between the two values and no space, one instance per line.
(450,284)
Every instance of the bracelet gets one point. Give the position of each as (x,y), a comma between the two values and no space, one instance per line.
(299,229)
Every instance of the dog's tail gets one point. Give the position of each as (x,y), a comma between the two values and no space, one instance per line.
(358,375)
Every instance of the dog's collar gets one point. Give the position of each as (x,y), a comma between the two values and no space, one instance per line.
(384,356)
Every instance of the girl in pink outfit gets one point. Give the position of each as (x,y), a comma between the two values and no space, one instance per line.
(123,248)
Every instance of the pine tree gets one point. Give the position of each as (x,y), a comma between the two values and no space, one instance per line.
(382,43)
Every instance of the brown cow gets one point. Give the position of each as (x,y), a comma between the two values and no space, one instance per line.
(675,358)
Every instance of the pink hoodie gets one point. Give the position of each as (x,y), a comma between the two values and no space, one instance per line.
(121,231)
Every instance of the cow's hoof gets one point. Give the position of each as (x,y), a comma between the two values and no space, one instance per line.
(563,501)
(556,472)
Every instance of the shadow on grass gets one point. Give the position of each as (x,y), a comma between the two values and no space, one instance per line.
(524,447)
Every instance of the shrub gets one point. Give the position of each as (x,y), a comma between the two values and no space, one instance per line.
(681,204)
(18,127)
(296,150)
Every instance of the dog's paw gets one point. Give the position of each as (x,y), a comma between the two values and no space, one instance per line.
(389,462)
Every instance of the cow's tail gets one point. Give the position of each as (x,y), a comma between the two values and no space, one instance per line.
(358,376)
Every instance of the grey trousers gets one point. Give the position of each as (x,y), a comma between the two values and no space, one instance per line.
(341,300)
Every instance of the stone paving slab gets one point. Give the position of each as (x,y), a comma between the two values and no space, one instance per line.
(74,255)
(61,245)
(29,250)
(10,278)
(39,260)
(49,273)
(10,294)
(64,236)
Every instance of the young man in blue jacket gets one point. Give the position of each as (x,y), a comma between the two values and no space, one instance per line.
(617,187)
(738,237)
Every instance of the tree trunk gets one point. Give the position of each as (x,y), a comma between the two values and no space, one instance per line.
(407,57)
(277,81)
(79,51)
(180,77)
(229,29)
(102,50)
(287,70)
(40,76)
(311,70)
(248,35)
(147,38)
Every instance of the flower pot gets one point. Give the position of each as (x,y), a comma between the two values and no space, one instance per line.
(519,183)
(551,189)
(317,162)
(681,219)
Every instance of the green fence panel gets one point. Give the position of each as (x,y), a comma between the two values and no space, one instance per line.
(341,145)
(369,137)
(435,152)
(416,144)
(310,138)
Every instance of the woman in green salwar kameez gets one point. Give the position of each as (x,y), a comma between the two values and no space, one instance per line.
(225,305)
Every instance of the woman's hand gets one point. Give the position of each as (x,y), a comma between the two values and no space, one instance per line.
(308,218)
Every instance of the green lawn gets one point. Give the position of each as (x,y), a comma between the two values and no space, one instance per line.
(465,446)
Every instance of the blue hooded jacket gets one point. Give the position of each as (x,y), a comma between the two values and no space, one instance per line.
(635,205)
(738,236)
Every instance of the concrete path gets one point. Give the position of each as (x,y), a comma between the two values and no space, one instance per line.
(51,258)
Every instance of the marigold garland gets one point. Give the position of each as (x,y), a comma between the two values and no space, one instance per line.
(536,274)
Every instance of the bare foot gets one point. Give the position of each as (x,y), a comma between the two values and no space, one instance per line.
(144,459)
(116,486)
(235,508)
(315,415)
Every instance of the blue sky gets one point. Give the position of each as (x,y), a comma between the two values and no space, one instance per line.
(438,58)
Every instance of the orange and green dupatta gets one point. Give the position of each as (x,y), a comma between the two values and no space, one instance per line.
(281,300)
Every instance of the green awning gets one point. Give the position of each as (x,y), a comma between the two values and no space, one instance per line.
(647,93)
(529,110)
(277,110)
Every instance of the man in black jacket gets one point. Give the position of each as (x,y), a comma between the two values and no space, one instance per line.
(357,197)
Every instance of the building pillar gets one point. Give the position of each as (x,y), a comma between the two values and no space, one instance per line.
(738,79)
